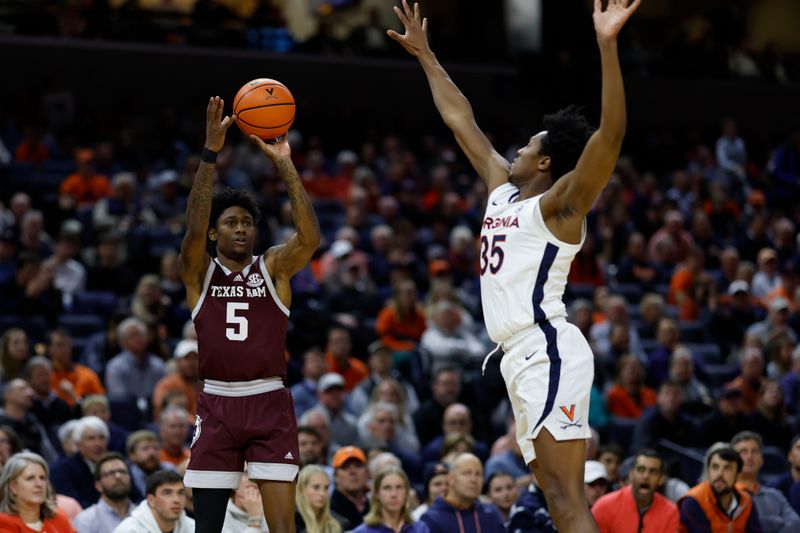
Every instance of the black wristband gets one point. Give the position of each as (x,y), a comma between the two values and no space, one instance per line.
(208,156)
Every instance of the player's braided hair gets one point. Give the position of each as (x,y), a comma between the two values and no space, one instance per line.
(568,131)
(228,197)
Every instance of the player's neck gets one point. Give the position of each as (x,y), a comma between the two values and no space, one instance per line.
(234,265)
(533,187)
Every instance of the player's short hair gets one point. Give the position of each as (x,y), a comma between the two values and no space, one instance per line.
(568,131)
(228,197)
(160,478)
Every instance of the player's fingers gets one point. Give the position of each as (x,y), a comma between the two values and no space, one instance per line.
(425,24)
(407,10)
(220,109)
(634,5)
(226,122)
(208,106)
(401,16)
(394,35)
(598,6)
(416,12)
(261,144)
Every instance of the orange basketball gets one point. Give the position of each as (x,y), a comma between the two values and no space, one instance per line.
(264,107)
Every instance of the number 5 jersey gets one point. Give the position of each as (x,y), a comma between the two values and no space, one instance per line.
(241,324)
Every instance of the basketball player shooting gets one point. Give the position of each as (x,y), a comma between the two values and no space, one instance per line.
(533,227)
(240,307)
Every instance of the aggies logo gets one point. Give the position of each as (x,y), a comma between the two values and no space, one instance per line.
(255,280)
(197,429)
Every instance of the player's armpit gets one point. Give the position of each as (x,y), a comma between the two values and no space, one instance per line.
(574,194)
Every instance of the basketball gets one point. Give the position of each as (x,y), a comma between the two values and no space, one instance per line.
(264,107)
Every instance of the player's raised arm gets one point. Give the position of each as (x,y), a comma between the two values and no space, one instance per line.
(286,260)
(451,103)
(193,259)
(577,191)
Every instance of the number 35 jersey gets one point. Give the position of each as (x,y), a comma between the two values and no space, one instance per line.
(523,266)
(241,324)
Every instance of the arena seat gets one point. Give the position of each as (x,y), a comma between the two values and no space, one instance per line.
(620,430)
(82,325)
(708,353)
(95,303)
(775,461)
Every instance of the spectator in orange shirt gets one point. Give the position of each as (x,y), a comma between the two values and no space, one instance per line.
(174,431)
(338,359)
(751,379)
(70,381)
(84,187)
(629,397)
(681,286)
(184,379)
(32,150)
(402,322)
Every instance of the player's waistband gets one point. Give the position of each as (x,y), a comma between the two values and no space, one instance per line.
(242,388)
(510,342)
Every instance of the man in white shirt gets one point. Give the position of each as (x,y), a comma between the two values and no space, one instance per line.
(163,508)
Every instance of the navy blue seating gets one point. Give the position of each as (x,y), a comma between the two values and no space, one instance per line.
(82,325)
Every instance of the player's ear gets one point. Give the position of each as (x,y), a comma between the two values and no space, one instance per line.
(212,234)
(544,163)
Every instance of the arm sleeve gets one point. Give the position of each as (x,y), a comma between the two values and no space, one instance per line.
(693,518)
(791,521)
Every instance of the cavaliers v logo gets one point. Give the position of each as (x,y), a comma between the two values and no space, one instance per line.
(270,93)
(570,414)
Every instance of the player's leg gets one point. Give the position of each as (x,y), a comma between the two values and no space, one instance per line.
(209,509)
(278,500)
(559,470)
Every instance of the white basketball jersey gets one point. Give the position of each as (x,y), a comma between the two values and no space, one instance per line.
(523,266)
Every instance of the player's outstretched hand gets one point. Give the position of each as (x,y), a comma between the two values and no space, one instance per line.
(608,23)
(216,126)
(415,40)
(274,149)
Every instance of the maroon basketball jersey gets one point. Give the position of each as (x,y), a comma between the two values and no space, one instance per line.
(241,324)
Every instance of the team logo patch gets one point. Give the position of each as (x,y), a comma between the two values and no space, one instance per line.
(197,429)
(288,456)
(255,280)
(570,414)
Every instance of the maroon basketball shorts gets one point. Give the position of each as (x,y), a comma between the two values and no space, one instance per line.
(240,422)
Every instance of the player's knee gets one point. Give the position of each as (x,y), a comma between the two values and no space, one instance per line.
(561,498)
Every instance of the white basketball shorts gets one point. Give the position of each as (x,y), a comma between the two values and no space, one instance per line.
(548,370)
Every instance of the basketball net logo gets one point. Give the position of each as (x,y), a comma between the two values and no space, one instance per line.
(197,430)
(270,95)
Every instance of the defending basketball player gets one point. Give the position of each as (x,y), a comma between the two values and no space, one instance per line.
(533,227)
(240,307)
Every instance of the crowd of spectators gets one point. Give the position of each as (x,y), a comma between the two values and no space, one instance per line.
(686,288)
(709,41)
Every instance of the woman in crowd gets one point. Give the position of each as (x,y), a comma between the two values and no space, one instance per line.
(313,502)
(14,353)
(628,398)
(26,501)
(388,505)
(434,485)
(502,493)
(9,444)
